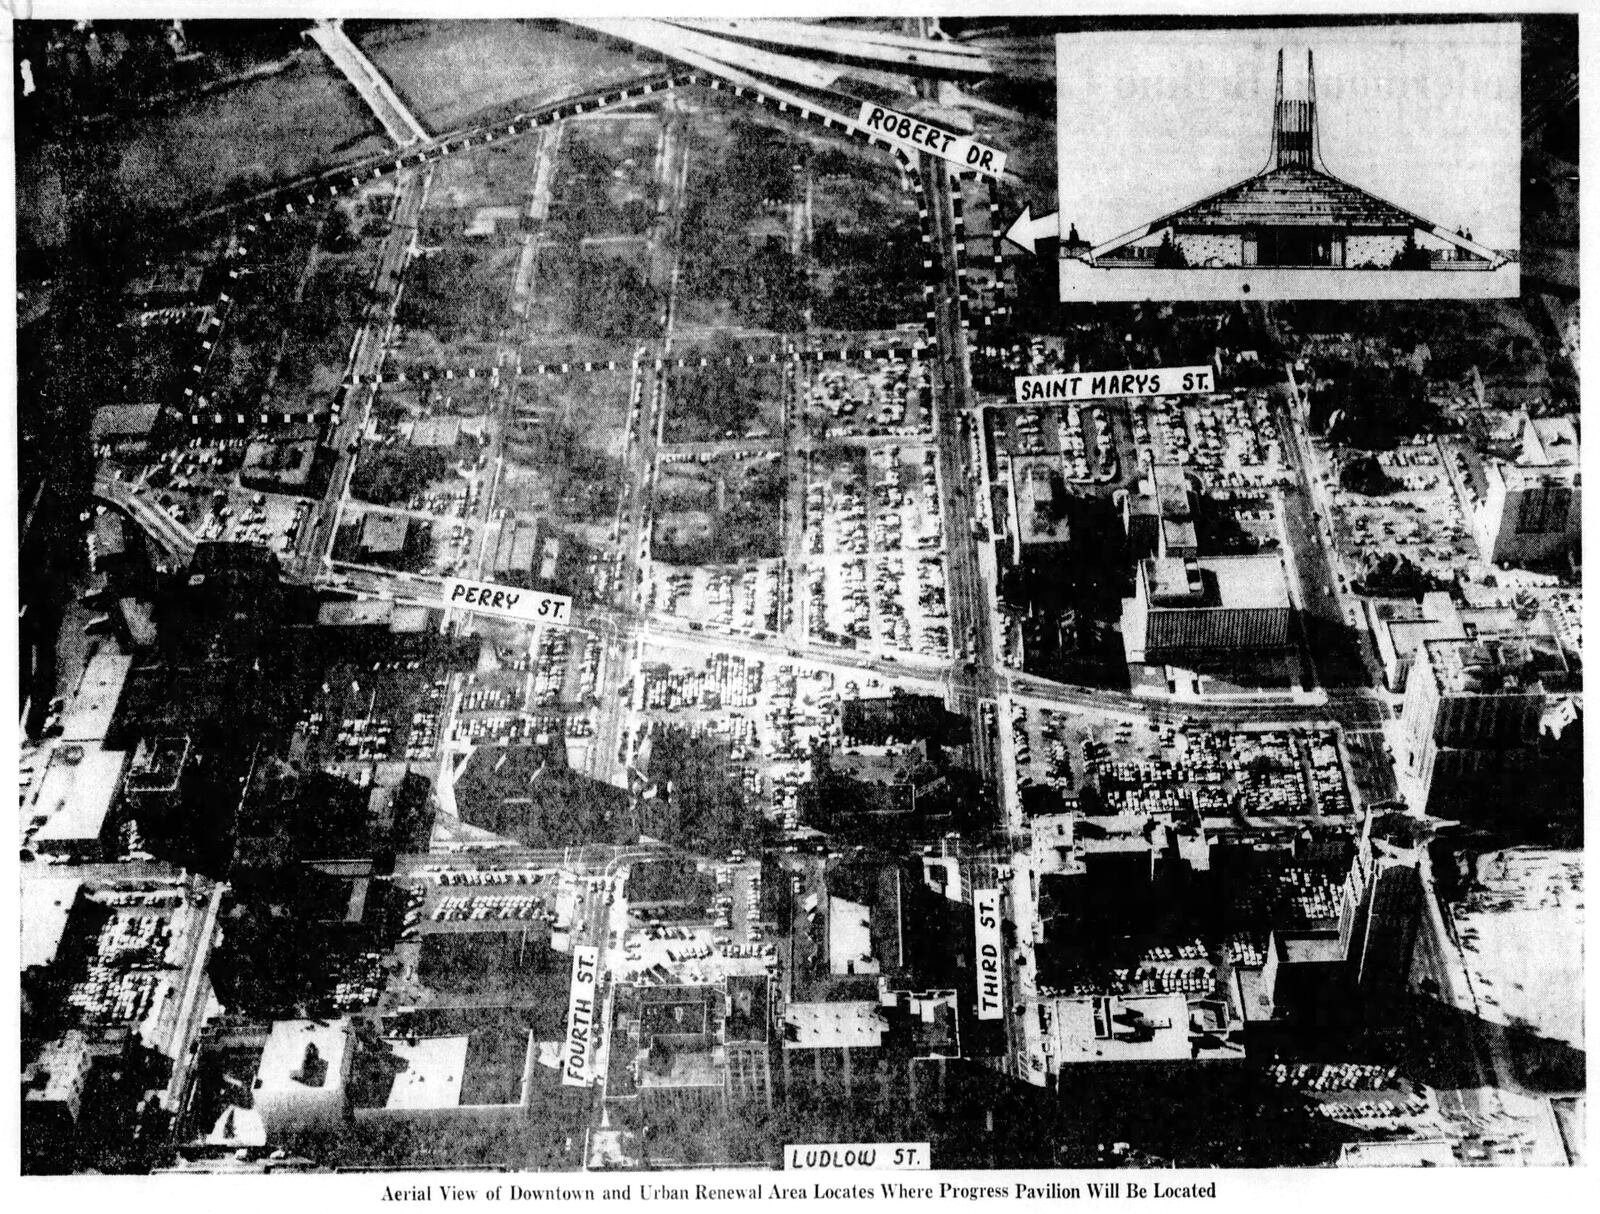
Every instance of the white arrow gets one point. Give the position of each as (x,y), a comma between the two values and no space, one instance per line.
(1027,229)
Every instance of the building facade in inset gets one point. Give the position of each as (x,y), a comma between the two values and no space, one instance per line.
(1294,214)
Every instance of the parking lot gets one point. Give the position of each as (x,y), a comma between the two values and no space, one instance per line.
(1422,519)
(745,600)
(888,398)
(872,541)
(769,713)
(1081,435)
(1233,441)
(1159,768)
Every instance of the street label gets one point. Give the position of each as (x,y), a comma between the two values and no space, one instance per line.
(986,915)
(513,602)
(575,1069)
(1096,385)
(917,135)
(858,1157)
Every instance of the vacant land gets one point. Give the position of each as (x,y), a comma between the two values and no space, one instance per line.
(605,180)
(192,153)
(462,292)
(722,512)
(594,290)
(719,401)
(739,242)
(864,240)
(449,71)
(269,310)
(563,450)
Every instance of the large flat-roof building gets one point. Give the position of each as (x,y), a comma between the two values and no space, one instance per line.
(300,1080)
(1227,617)
(75,796)
(1472,716)
(1530,514)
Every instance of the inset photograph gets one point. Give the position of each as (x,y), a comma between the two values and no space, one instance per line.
(1363,162)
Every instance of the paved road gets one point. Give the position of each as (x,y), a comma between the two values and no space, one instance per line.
(400,123)
(972,680)
(171,536)
(317,534)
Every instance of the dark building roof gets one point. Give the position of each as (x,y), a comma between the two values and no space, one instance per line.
(902,718)
(747,1008)
(1231,628)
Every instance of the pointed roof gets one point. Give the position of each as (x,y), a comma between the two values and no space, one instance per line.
(1295,189)
(1293,195)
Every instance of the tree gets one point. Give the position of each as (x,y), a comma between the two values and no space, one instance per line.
(1410,257)
(1364,474)
(1169,256)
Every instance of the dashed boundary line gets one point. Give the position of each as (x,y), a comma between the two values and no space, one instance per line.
(912,175)
(333,183)
(997,240)
(497,375)
(450,145)
(458,144)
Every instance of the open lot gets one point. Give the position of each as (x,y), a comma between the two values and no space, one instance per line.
(241,138)
(605,185)
(721,402)
(447,72)
(1418,517)
(723,511)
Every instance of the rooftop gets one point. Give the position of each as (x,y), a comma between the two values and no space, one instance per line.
(1518,478)
(1550,440)
(157,763)
(302,1054)
(1293,195)
(1394,1153)
(1497,666)
(88,714)
(747,1007)
(1216,581)
(1134,1028)
(47,904)
(383,532)
(430,1074)
(77,791)
(814,1026)
(850,938)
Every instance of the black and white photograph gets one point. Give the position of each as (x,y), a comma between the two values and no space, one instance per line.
(1267,159)
(958,610)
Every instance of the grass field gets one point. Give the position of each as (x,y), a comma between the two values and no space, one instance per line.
(448,71)
(246,137)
